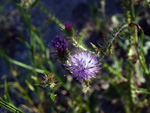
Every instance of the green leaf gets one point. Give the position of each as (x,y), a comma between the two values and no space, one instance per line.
(39,40)
(9,107)
(96,49)
(24,42)
(23,65)
(52,96)
(6,94)
(82,34)
(142,90)
(29,85)
(58,84)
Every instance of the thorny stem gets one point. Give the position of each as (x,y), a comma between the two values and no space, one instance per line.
(145,68)
(142,63)
(77,44)
(131,86)
(115,36)
(142,9)
(131,73)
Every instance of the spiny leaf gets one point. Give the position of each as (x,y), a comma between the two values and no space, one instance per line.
(96,49)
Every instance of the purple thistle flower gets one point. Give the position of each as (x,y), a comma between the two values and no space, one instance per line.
(67,25)
(83,65)
(59,44)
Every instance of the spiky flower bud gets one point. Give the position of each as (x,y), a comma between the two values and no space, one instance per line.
(68,29)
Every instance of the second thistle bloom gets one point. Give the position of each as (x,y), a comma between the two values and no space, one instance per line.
(83,65)
(59,44)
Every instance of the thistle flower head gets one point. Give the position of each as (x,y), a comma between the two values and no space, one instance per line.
(83,65)
(59,44)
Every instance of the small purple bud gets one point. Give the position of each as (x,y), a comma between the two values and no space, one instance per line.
(68,29)
(67,25)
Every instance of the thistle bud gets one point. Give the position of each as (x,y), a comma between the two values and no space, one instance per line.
(68,29)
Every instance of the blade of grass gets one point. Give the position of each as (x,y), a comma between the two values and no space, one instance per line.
(6,94)
(9,107)
(24,65)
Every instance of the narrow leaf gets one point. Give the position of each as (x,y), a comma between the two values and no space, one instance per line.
(142,90)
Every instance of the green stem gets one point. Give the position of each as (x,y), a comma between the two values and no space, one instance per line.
(139,54)
(131,86)
(114,72)
(142,9)
(51,17)
(54,105)
(126,107)
(133,10)
(77,44)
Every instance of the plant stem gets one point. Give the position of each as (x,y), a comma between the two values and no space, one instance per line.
(142,9)
(132,10)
